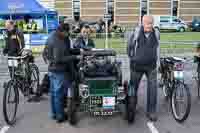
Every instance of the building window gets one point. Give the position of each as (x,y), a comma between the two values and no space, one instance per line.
(76,10)
(144,7)
(111,9)
(175,7)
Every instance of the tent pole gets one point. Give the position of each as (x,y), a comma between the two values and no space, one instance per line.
(46,23)
(58,19)
(10,16)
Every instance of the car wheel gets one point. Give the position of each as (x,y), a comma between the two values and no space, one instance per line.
(182,29)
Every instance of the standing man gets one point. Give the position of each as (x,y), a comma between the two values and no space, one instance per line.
(84,41)
(14,41)
(60,64)
(143,51)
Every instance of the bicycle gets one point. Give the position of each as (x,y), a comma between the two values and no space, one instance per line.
(23,68)
(174,88)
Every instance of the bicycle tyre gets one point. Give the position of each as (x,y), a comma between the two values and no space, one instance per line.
(16,100)
(172,102)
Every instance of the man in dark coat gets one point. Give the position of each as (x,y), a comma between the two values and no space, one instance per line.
(84,41)
(60,69)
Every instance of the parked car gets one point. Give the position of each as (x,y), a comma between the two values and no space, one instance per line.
(196,23)
(170,23)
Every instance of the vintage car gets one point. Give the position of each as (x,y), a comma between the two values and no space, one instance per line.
(100,88)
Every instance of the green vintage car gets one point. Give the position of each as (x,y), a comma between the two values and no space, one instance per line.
(99,86)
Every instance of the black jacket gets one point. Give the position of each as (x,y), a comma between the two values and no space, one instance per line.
(60,55)
(80,43)
(14,42)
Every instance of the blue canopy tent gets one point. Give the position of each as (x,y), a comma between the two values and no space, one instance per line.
(13,8)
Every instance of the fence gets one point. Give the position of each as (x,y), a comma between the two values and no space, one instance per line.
(118,42)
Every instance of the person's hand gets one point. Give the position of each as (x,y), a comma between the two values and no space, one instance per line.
(78,57)
(81,51)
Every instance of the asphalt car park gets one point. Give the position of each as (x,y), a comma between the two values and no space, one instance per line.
(33,117)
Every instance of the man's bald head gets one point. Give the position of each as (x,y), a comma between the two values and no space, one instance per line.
(147,22)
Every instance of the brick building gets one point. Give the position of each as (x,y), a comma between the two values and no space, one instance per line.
(160,7)
(92,9)
(188,9)
(125,12)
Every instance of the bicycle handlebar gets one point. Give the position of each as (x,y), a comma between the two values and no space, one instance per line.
(18,57)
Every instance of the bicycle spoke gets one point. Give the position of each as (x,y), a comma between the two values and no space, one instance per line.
(180,101)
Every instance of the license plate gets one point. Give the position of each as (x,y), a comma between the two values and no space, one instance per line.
(178,74)
(12,63)
(103,113)
(108,102)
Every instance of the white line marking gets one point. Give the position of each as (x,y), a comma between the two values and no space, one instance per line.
(4,129)
(152,128)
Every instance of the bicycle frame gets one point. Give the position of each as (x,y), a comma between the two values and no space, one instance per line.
(15,63)
(173,73)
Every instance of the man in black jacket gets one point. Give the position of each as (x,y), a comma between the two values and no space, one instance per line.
(14,41)
(143,52)
(84,41)
(60,68)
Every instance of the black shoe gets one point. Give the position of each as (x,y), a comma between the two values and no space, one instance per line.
(63,120)
(152,117)
(34,99)
(73,119)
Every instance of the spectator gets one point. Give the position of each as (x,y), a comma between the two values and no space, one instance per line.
(143,52)
(14,41)
(84,41)
(60,64)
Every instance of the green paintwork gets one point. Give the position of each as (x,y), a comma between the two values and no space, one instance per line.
(102,86)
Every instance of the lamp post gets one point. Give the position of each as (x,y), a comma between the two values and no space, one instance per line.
(105,17)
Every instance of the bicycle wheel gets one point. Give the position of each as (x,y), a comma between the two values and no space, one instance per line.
(10,99)
(180,102)
(35,79)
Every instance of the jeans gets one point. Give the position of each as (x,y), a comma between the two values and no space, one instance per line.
(151,87)
(57,95)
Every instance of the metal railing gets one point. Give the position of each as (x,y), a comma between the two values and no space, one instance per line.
(118,41)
